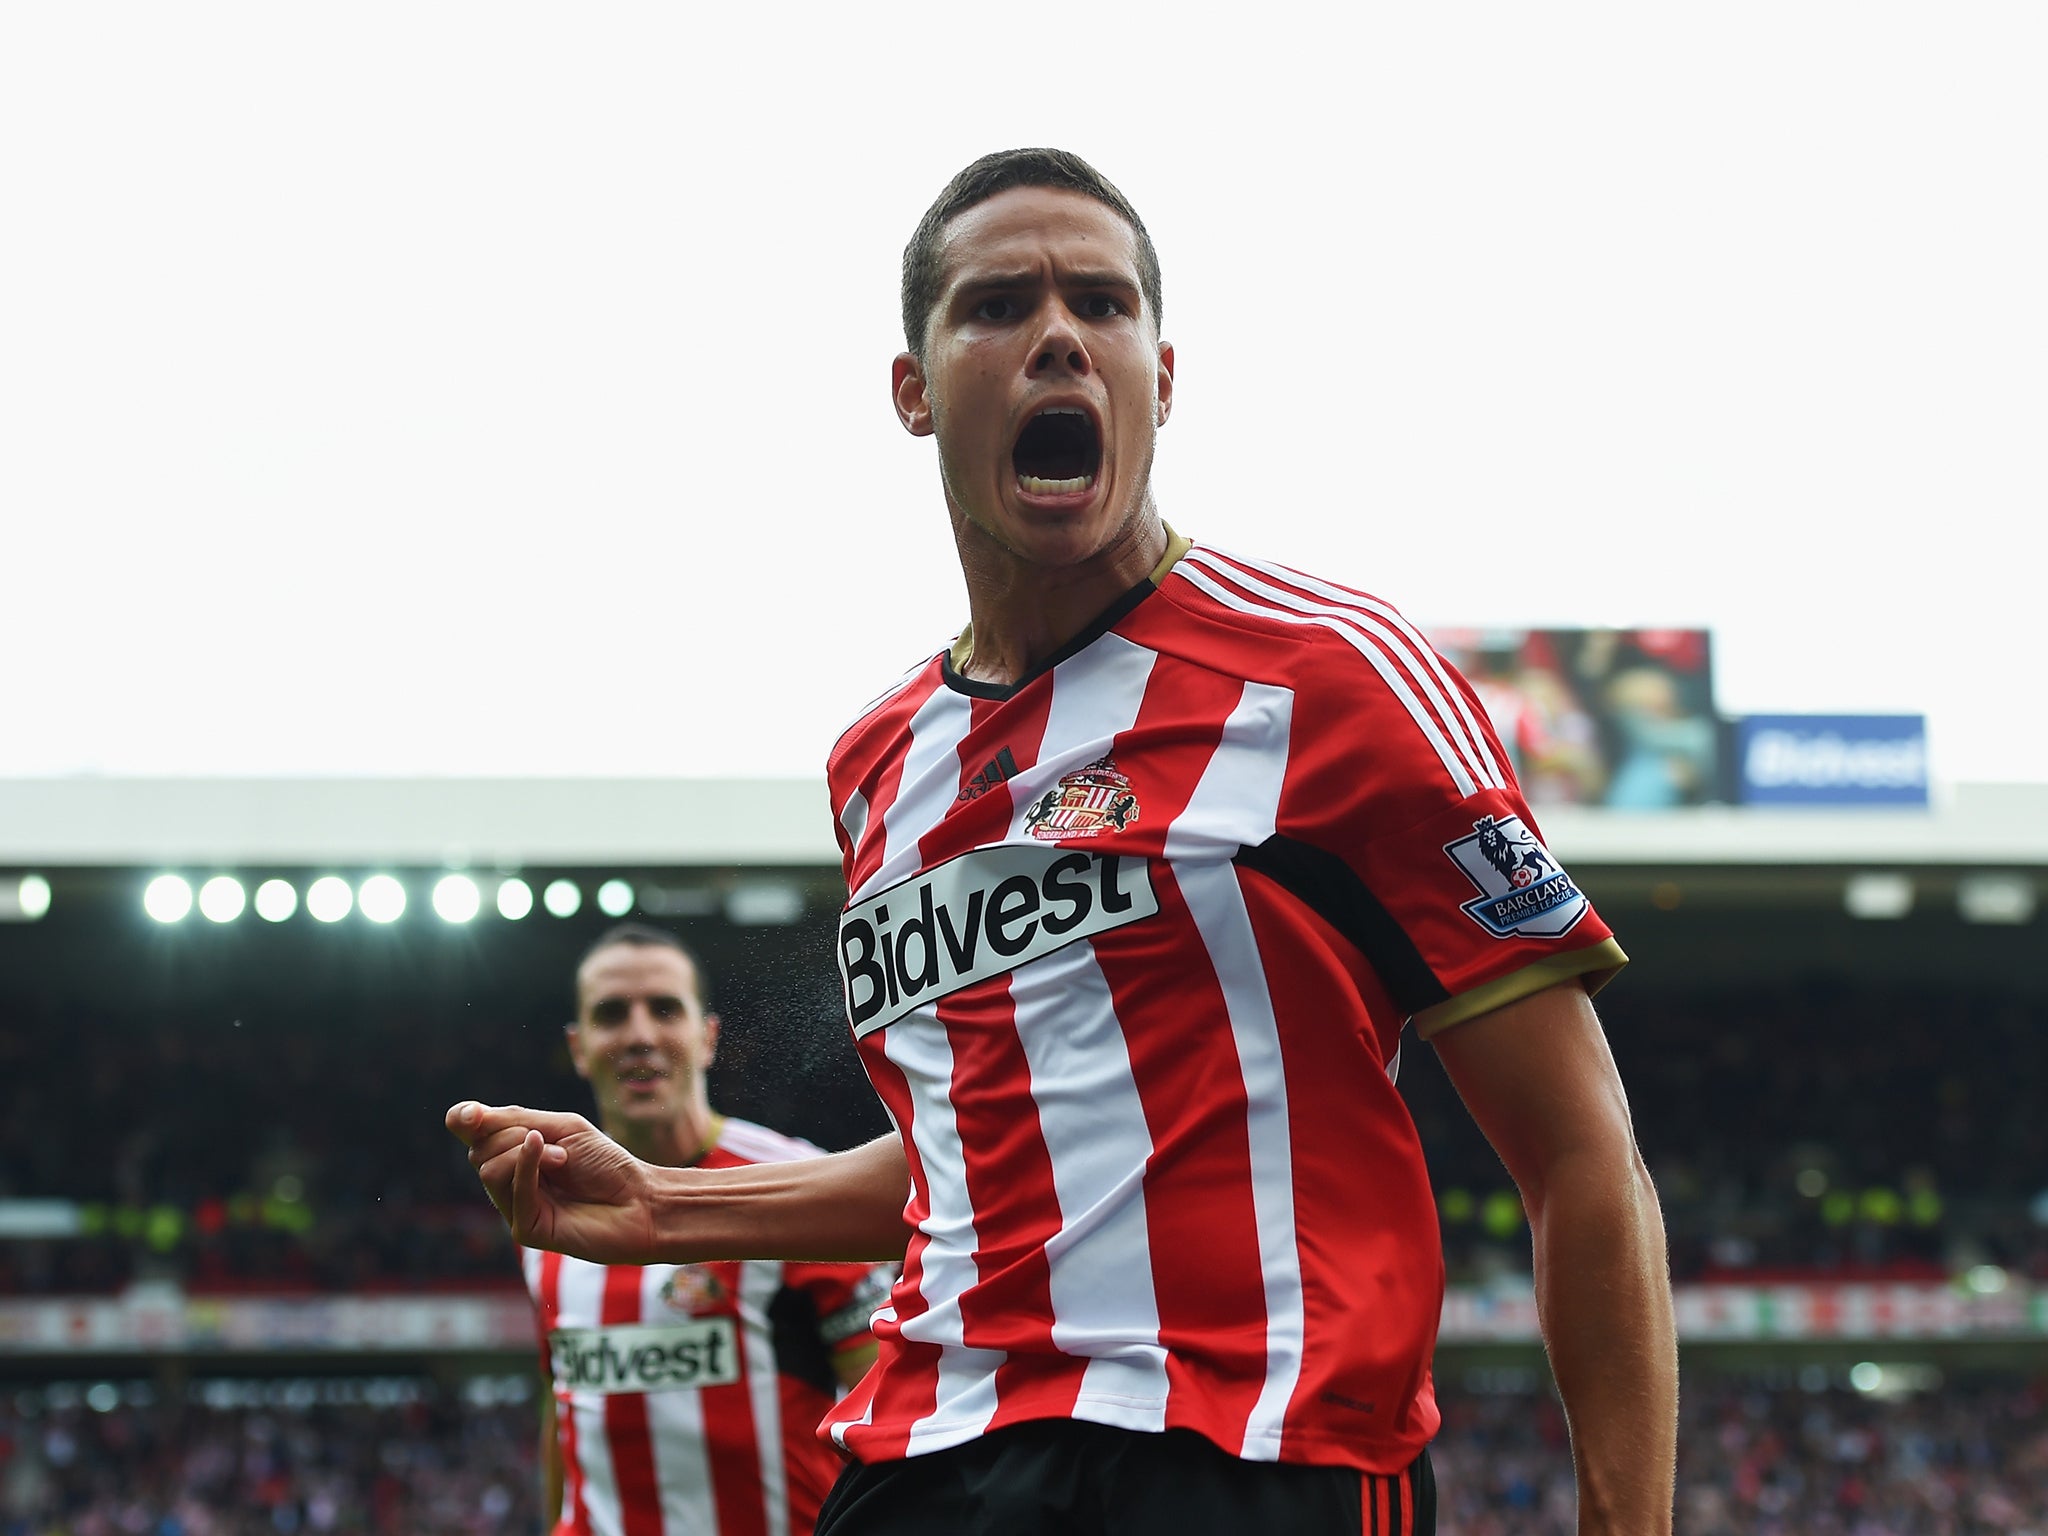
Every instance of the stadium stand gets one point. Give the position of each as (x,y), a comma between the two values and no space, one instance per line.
(1825,1128)
(223,1179)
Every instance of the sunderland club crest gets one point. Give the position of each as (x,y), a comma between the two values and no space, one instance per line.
(693,1289)
(1522,892)
(1086,803)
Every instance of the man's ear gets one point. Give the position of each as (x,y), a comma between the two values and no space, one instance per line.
(1165,406)
(574,1035)
(710,1042)
(907,388)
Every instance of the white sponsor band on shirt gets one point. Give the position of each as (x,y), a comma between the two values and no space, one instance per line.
(977,916)
(646,1357)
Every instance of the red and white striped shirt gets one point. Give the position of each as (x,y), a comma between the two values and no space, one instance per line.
(1128,952)
(687,1396)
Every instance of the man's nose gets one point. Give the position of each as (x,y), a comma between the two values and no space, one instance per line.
(1060,347)
(640,1023)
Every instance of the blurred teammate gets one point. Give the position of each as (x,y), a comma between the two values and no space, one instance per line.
(1147,872)
(684,1398)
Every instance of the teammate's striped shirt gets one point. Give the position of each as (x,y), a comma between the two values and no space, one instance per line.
(687,1397)
(1128,951)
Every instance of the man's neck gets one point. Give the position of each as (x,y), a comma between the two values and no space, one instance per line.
(1022,613)
(676,1143)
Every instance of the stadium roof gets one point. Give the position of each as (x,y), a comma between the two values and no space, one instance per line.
(507,823)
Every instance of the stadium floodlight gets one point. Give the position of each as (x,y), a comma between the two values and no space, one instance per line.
(615,898)
(167,898)
(764,903)
(381,898)
(515,899)
(276,900)
(329,899)
(222,899)
(32,897)
(456,898)
(1985,1280)
(1878,897)
(562,898)
(1996,898)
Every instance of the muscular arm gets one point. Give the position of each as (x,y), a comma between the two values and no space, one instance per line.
(846,1206)
(1537,1077)
(562,1184)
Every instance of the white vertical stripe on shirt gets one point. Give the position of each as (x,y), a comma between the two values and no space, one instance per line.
(854,817)
(918,1046)
(1342,625)
(1089,1111)
(1244,777)
(929,785)
(675,1432)
(579,1291)
(759,1283)
(967,1377)
(1100,1260)
(1095,697)
(1418,644)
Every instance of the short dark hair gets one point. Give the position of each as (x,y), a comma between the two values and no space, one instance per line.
(988,176)
(644,936)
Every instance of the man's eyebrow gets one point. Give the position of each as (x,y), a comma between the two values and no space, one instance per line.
(1100,279)
(1025,277)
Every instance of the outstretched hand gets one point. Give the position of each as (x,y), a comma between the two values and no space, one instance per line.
(559,1181)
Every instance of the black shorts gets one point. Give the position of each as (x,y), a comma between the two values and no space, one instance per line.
(1063,1477)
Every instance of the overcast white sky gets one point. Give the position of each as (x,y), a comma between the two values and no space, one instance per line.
(456,388)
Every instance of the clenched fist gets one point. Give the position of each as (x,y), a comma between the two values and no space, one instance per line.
(560,1182)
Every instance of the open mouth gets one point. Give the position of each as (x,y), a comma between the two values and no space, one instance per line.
(1058,452)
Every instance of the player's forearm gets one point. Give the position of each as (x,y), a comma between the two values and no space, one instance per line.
(848,1206)
(1603,1290)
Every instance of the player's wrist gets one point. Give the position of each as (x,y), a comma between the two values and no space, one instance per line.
(683,1207)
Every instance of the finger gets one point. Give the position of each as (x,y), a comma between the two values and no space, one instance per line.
(526,1186)
(477,1120)
(497,1178)
(496,1144)
(462,1118)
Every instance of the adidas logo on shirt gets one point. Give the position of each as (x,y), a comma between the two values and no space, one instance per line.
(997,770)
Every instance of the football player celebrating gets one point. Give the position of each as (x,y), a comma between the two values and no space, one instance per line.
(1147,874)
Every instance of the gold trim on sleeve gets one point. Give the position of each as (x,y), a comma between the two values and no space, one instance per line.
(1597,964)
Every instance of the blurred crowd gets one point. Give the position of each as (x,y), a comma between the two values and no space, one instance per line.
(1969,1459)
(1827,1130)
(383,1458)
(405,1456)
(1798,1131)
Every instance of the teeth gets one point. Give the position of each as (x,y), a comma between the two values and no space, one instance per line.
(1038,487)
(1063,410)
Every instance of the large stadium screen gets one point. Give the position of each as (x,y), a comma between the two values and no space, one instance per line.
(1622,718)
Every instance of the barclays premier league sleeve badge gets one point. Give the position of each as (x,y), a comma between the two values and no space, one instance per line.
(1522,892)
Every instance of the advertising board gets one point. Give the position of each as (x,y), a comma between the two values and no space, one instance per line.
(1832,760)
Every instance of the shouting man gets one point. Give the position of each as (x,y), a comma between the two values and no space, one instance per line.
(1146,873)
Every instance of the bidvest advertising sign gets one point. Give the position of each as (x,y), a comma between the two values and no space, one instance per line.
(1832,760)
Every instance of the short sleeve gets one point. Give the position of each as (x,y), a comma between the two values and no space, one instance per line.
(1401,822)
(845,1296)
